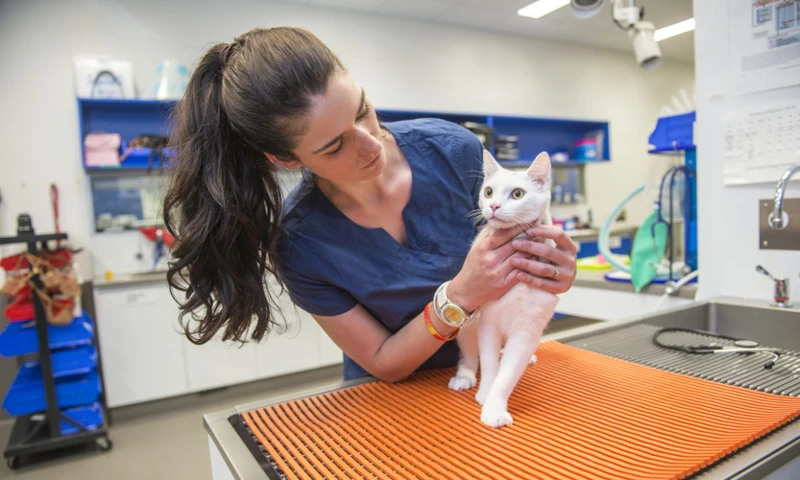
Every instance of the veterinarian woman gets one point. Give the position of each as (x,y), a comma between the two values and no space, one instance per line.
(379,223)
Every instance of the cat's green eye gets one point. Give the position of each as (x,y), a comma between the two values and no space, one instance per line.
(488,192)
(517,194)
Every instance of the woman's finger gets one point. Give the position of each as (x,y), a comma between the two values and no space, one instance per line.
(563,240)
(499,238)
(548,285)
(545,251)
(538,269)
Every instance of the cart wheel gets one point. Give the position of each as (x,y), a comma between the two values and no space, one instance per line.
(104,444)
(13,463)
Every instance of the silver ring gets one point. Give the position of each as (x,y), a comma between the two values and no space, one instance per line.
(555,275)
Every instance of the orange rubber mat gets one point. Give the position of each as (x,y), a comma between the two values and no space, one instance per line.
(577,414)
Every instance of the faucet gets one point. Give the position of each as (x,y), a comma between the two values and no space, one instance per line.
(776,217)
(781,289)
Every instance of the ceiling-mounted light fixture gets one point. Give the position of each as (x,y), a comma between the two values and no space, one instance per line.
(674,30)
(540,8)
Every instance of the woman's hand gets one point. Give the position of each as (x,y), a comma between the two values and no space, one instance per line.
(562,259)
(488,271)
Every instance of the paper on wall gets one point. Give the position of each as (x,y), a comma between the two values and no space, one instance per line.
(761,143)
(765,40)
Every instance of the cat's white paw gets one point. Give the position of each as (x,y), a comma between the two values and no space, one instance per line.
(462,383)
(480,397)
(533,360)
(496,417)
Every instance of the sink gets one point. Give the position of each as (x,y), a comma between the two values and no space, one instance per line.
(770,326)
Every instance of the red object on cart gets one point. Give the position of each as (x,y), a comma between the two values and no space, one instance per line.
(21,309)
(151,233)
(57,258)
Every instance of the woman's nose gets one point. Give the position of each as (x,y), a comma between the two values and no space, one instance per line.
(369,145)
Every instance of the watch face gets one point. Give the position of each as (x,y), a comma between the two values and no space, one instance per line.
(453,314)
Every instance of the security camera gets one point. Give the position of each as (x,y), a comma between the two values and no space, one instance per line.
(647,51)
(627,16)
(585,8)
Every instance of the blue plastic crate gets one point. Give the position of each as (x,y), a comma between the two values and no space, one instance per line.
(27,395)
(90,416)
(73,361)
(19,338)
(672,133)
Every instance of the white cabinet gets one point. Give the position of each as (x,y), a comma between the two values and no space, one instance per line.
(146,356)
(141,347)
(293,349)
(217,364)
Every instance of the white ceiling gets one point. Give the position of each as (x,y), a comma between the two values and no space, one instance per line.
(501,16)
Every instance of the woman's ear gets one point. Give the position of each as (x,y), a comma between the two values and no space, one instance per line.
(285,163)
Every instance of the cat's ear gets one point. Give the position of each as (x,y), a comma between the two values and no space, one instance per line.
(539,171)
(490,165)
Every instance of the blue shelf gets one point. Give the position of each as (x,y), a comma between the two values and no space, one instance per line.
(19,338)
(131,118)
(125,103)
(27,395)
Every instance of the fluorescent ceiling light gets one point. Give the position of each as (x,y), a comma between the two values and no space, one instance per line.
(673,30)
(541,8)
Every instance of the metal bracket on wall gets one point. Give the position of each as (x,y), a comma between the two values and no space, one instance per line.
(785,239)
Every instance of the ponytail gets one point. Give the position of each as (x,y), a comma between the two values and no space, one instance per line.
(227,201)
(224,202)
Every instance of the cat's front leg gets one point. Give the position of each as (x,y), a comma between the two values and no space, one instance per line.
(467,374)
(516,356)
(490,343)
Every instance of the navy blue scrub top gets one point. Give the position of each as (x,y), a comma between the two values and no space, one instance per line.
(330,264)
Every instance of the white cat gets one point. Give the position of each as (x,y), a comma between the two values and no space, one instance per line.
(515,322)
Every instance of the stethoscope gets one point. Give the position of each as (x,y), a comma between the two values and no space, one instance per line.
(739,345)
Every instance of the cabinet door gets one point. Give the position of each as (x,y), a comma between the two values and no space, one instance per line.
(140,343)
(293,350)
(218,364)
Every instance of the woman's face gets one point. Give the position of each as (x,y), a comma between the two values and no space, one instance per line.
(342,141)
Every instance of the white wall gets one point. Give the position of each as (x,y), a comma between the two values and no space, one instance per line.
(728,216)
(402,64)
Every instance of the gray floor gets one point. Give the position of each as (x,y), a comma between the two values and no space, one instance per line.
(165,440)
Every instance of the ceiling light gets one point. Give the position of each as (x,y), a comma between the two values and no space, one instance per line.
(541,8)
(673,30)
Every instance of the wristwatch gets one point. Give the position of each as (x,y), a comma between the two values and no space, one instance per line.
(447,311)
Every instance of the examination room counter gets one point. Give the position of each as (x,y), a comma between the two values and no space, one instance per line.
(775,456)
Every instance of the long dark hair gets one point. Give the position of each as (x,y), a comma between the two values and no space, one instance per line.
(224,201)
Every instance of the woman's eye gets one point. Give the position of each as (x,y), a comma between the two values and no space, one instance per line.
(338,149)
(517,194)
(364,114)
(488,192)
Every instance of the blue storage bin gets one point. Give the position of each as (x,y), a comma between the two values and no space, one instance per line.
(73,361)
(19,338)
(90,416)
(26,394)
(675,132)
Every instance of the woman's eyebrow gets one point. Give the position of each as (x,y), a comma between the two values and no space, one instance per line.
(339,137)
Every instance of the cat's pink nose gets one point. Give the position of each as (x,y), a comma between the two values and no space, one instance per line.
(494,207)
